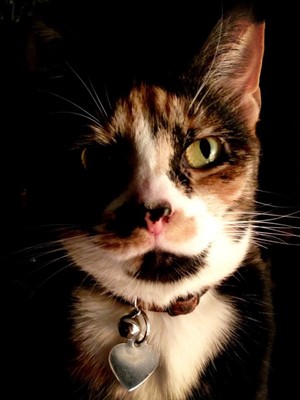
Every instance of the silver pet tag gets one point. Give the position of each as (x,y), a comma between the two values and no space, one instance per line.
(133,362)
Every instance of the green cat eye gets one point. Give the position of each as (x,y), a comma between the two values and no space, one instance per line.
(203,152)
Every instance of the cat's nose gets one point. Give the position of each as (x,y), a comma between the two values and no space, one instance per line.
(158,211)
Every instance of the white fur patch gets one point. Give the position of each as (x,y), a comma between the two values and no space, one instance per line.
(185,344)
(224,257)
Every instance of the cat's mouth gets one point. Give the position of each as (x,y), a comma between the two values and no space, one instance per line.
(155,244)
(144,230)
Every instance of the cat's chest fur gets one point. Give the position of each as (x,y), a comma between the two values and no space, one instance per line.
(184,344)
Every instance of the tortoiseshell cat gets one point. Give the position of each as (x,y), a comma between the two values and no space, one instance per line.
(176,174)
(171,175)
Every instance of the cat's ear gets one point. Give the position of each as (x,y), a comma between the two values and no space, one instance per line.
(44,49)
(231,62)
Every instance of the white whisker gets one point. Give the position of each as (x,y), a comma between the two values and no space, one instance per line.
(108,99)
(212,64)
(99,102)
(79,115)
(92,92)
(86,113)
(269,227)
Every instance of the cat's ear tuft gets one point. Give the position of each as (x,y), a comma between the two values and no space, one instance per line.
(230,63)
(246,81)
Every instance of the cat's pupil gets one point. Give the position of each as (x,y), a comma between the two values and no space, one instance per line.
(205,148)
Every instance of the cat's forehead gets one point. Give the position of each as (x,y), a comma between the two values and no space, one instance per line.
(163,111)
(155,114)
(151,104)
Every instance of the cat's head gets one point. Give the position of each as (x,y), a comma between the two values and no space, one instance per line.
(170,174)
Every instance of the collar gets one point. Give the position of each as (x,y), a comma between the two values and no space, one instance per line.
(180,306)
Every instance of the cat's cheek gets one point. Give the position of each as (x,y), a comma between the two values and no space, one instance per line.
(189,236)
(236,190)
(139,242)
(225,189)
(180,228)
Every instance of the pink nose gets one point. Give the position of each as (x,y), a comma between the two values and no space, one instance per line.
(157,217)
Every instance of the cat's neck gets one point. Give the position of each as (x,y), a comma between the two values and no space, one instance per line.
(180,305)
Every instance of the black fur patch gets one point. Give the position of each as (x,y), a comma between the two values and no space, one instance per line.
(248,290)
(167,267)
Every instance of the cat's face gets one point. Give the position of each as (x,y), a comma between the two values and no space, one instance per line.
(172,177)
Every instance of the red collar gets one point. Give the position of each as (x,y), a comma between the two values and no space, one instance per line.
(180,306)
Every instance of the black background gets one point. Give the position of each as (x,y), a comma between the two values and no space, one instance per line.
(118,40)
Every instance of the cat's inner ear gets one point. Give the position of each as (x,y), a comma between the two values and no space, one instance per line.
(255,41)
(248,82)
(231,62)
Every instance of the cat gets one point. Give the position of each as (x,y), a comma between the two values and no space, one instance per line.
(177,173)
(172,267)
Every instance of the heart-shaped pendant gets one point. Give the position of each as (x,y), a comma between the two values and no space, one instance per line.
(132,364)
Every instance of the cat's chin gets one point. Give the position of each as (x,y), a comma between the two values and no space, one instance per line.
(161,266)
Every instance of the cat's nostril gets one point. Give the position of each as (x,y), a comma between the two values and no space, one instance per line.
(158,211)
